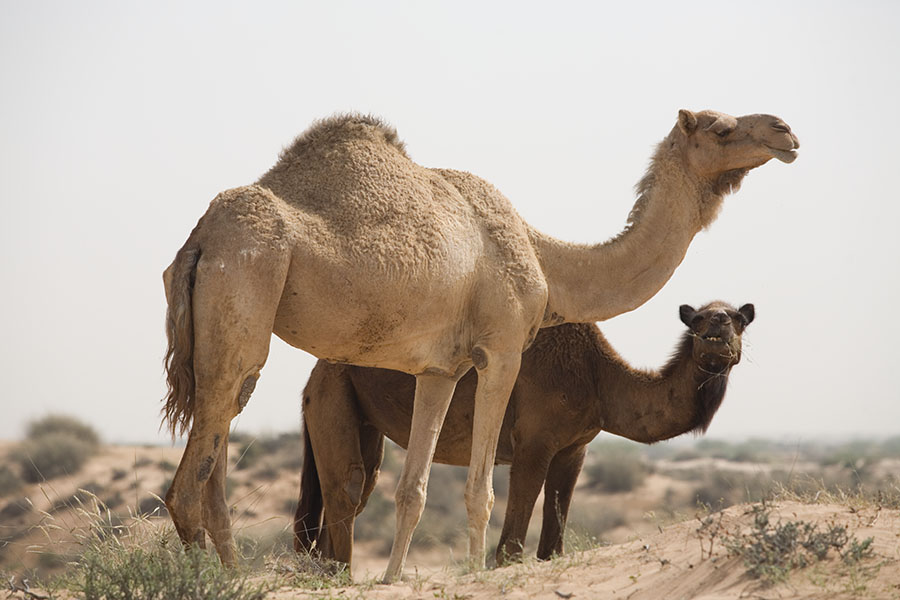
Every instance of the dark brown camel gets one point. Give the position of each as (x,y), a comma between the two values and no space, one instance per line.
(571,386)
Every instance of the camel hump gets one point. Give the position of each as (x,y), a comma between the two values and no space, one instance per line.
(337,128)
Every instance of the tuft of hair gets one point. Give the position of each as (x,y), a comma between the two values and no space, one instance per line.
(340,126)
(565,349)
(179,359)
(729,182)
(708,400)
(710,390)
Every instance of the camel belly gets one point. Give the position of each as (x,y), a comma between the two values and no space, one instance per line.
(367,326)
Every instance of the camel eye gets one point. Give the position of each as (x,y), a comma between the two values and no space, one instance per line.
(723,133)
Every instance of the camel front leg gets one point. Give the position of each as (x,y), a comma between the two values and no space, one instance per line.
(496,378)
(561,478)
(433,394)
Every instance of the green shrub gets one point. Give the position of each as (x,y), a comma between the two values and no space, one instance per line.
(59,424)
(50,455)
(771,551)
(109,572)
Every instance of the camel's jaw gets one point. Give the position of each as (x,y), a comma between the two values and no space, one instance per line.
(785,156)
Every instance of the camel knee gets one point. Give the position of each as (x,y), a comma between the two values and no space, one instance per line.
(355,484)
(410,500)
(479,503)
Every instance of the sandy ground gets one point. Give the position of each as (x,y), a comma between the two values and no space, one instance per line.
(652,557)
(674,562)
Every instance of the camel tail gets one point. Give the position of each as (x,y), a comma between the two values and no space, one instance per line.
(179,360)
(308,517)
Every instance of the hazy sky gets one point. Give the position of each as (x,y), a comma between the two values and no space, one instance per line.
(120,121)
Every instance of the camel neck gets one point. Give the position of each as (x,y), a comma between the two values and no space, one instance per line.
(589,283)
(650,406)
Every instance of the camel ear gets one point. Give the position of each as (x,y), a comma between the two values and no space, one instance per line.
(687,121)
(687,314)
(748,312)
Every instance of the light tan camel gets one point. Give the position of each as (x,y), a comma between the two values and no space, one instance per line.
(572,385)
(351,251)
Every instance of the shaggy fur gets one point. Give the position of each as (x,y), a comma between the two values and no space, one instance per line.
(179,401)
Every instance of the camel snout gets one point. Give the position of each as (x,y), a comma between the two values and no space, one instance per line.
(721,318)
(782,127)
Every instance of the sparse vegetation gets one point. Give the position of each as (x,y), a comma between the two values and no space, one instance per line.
(51,455)
(105,553)
(57,424)
(56,445)
(111,572)
(772,550)
(615,467)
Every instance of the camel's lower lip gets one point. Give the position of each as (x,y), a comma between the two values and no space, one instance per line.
(785,156)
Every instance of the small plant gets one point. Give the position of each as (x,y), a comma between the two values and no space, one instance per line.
(112,559)
(858,551)
(771,551)
(159,572)
(301,570)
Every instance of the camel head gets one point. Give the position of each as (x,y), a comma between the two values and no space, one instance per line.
(722,148)
(716,331)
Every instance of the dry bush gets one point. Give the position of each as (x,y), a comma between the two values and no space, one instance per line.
(57,424)
(770,551)
(56,445)
(51,455)
(614,467)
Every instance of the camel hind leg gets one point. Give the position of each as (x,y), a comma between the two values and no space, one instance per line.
(333,424)
(235,299)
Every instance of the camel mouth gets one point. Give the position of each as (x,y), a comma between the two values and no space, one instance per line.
(785,156)
(716,338)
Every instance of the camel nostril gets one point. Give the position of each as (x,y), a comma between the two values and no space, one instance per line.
(720,319)
(781,126)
